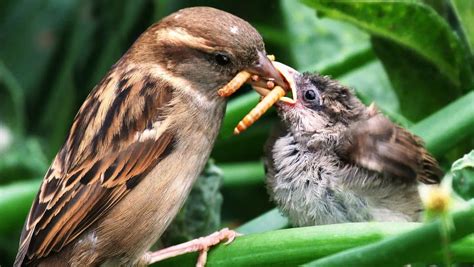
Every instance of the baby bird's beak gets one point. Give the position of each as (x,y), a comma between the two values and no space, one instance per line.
(288,75)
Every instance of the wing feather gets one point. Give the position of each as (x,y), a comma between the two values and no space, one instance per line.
(379,145)
(101,161)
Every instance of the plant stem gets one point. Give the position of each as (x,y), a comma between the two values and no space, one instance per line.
(290,247)
(15,201)
(269,220)
(448,126)
(417,245)
(242,173)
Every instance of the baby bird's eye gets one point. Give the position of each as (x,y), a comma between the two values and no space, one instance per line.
(222,59)
(310,95)
(312,98)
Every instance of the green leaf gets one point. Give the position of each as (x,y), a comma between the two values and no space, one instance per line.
(413,78)
(407,23)
(464,10)
(316,40)
(463,172)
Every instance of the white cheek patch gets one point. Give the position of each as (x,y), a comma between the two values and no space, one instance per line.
(234,29)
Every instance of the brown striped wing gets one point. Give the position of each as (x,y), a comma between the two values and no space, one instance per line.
(379,145)
(101,161)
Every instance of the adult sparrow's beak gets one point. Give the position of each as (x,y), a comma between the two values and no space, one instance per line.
(263,72)
(276,72)
(263,76)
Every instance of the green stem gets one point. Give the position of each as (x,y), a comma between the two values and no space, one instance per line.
(417,245)
(15,201)
(244,173)
(269,220)
(448,126)
(236,110)
(290,247)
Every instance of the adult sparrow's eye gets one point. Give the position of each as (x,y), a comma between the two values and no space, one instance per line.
(222,59)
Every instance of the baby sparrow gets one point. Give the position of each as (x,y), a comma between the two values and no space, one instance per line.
(338,161)
(138,143)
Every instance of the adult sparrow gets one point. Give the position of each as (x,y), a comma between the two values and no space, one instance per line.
(138,143)
(336,160)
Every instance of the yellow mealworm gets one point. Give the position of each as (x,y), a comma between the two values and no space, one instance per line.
(238,81)
(271,98)
(234,84)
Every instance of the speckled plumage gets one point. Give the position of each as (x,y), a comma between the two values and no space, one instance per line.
(138,143)
(337,161)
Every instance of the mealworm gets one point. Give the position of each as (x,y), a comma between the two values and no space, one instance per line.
(271,98)
(234,84)
(238,81)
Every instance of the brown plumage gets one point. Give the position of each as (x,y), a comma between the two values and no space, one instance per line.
(337,160)
(139,141)
(379,145)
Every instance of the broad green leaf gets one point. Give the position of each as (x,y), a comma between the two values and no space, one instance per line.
(465,13)
(318,41)
(463,172)
(413,78)
(407,23)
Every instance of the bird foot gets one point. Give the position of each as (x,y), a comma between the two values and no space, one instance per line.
(201,244)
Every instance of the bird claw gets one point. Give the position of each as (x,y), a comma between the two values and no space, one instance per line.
(201,244)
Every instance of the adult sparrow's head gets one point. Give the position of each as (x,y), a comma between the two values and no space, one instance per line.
(204,48)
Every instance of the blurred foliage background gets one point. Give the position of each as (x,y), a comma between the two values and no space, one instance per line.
(414,59)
